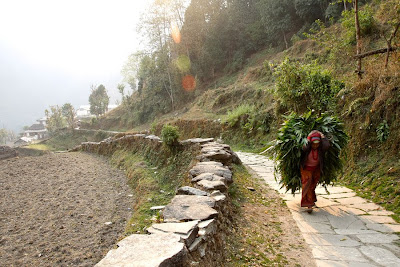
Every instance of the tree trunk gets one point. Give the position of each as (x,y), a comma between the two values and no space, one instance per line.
(389,44)
(284,38)
(358,39)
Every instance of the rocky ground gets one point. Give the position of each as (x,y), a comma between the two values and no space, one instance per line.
(64,209)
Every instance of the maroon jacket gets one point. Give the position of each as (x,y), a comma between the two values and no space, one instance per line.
(323,147)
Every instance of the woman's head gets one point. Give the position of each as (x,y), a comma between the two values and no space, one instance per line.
(315,138)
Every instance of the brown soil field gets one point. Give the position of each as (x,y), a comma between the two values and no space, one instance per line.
(56,209)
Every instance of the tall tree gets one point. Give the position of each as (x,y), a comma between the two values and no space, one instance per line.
(3,136)
(389,18)
(156,26)
(98,100)
(311,10)
(279,18)
(55,119)
(69,114)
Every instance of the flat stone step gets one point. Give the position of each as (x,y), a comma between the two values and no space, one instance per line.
(189,208)
(147,250)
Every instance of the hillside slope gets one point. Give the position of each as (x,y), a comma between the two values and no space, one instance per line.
(245,109)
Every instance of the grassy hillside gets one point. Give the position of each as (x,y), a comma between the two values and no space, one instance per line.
(245,109)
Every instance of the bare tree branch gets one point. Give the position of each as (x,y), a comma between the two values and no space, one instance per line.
(375,52)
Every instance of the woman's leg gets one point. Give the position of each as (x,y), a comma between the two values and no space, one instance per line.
(316,174)
(306,188)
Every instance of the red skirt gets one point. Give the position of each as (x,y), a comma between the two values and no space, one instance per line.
(309,181)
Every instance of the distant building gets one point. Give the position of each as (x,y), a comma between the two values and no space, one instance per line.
(36,131)
(43,121)
(111,107)
(83,112)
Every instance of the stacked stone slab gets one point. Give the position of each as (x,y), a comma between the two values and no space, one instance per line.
(190,220)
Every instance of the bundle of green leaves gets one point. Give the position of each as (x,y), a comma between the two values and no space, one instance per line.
(292,136)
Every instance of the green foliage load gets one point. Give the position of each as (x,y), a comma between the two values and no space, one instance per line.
(292,136)
(302,86)
(170,134)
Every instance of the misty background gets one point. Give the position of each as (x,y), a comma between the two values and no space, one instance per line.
(51,52)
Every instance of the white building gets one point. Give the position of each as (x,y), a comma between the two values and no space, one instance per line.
(83,112)
(36,131)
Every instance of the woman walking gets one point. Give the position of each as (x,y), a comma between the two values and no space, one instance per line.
(311,167)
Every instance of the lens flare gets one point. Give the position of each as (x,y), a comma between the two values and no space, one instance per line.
(176,33)
(183,63)
(189,83)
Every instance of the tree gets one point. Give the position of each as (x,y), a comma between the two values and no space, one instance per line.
(130,69)
(69,114)
(157,27)
(55,119)
(3,136)
(98,100)
(311,10)
(389,16)
(279,19)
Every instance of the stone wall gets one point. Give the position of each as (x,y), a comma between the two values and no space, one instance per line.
(191,233)
(7,152)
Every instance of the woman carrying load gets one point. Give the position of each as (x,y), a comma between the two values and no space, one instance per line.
(312,161)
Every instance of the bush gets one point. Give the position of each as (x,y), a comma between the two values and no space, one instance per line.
(170,134)
(382,131)
(367,23)
(249,118)
(234,117)
(300,87)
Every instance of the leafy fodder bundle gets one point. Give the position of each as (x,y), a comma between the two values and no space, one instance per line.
(292,136)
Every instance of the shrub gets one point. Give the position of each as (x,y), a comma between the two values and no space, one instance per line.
(170,134)
(367,23)
(306,86)
(382,131)
(234,117)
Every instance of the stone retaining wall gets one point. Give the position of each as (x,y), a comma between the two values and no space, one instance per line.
(7,152)
(191,233)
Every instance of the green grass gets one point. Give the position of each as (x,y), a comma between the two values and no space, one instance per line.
(39,147)
(153,182)
(376,178)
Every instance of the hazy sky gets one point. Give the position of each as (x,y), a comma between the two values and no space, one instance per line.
(51,51)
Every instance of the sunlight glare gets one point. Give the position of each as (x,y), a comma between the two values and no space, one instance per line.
(189,83)
(176,33)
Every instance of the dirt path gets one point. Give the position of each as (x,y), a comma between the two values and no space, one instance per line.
(55,209)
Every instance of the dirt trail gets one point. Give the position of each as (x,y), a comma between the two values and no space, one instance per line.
(55,209)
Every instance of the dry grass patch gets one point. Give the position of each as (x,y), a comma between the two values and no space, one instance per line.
(264,232)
